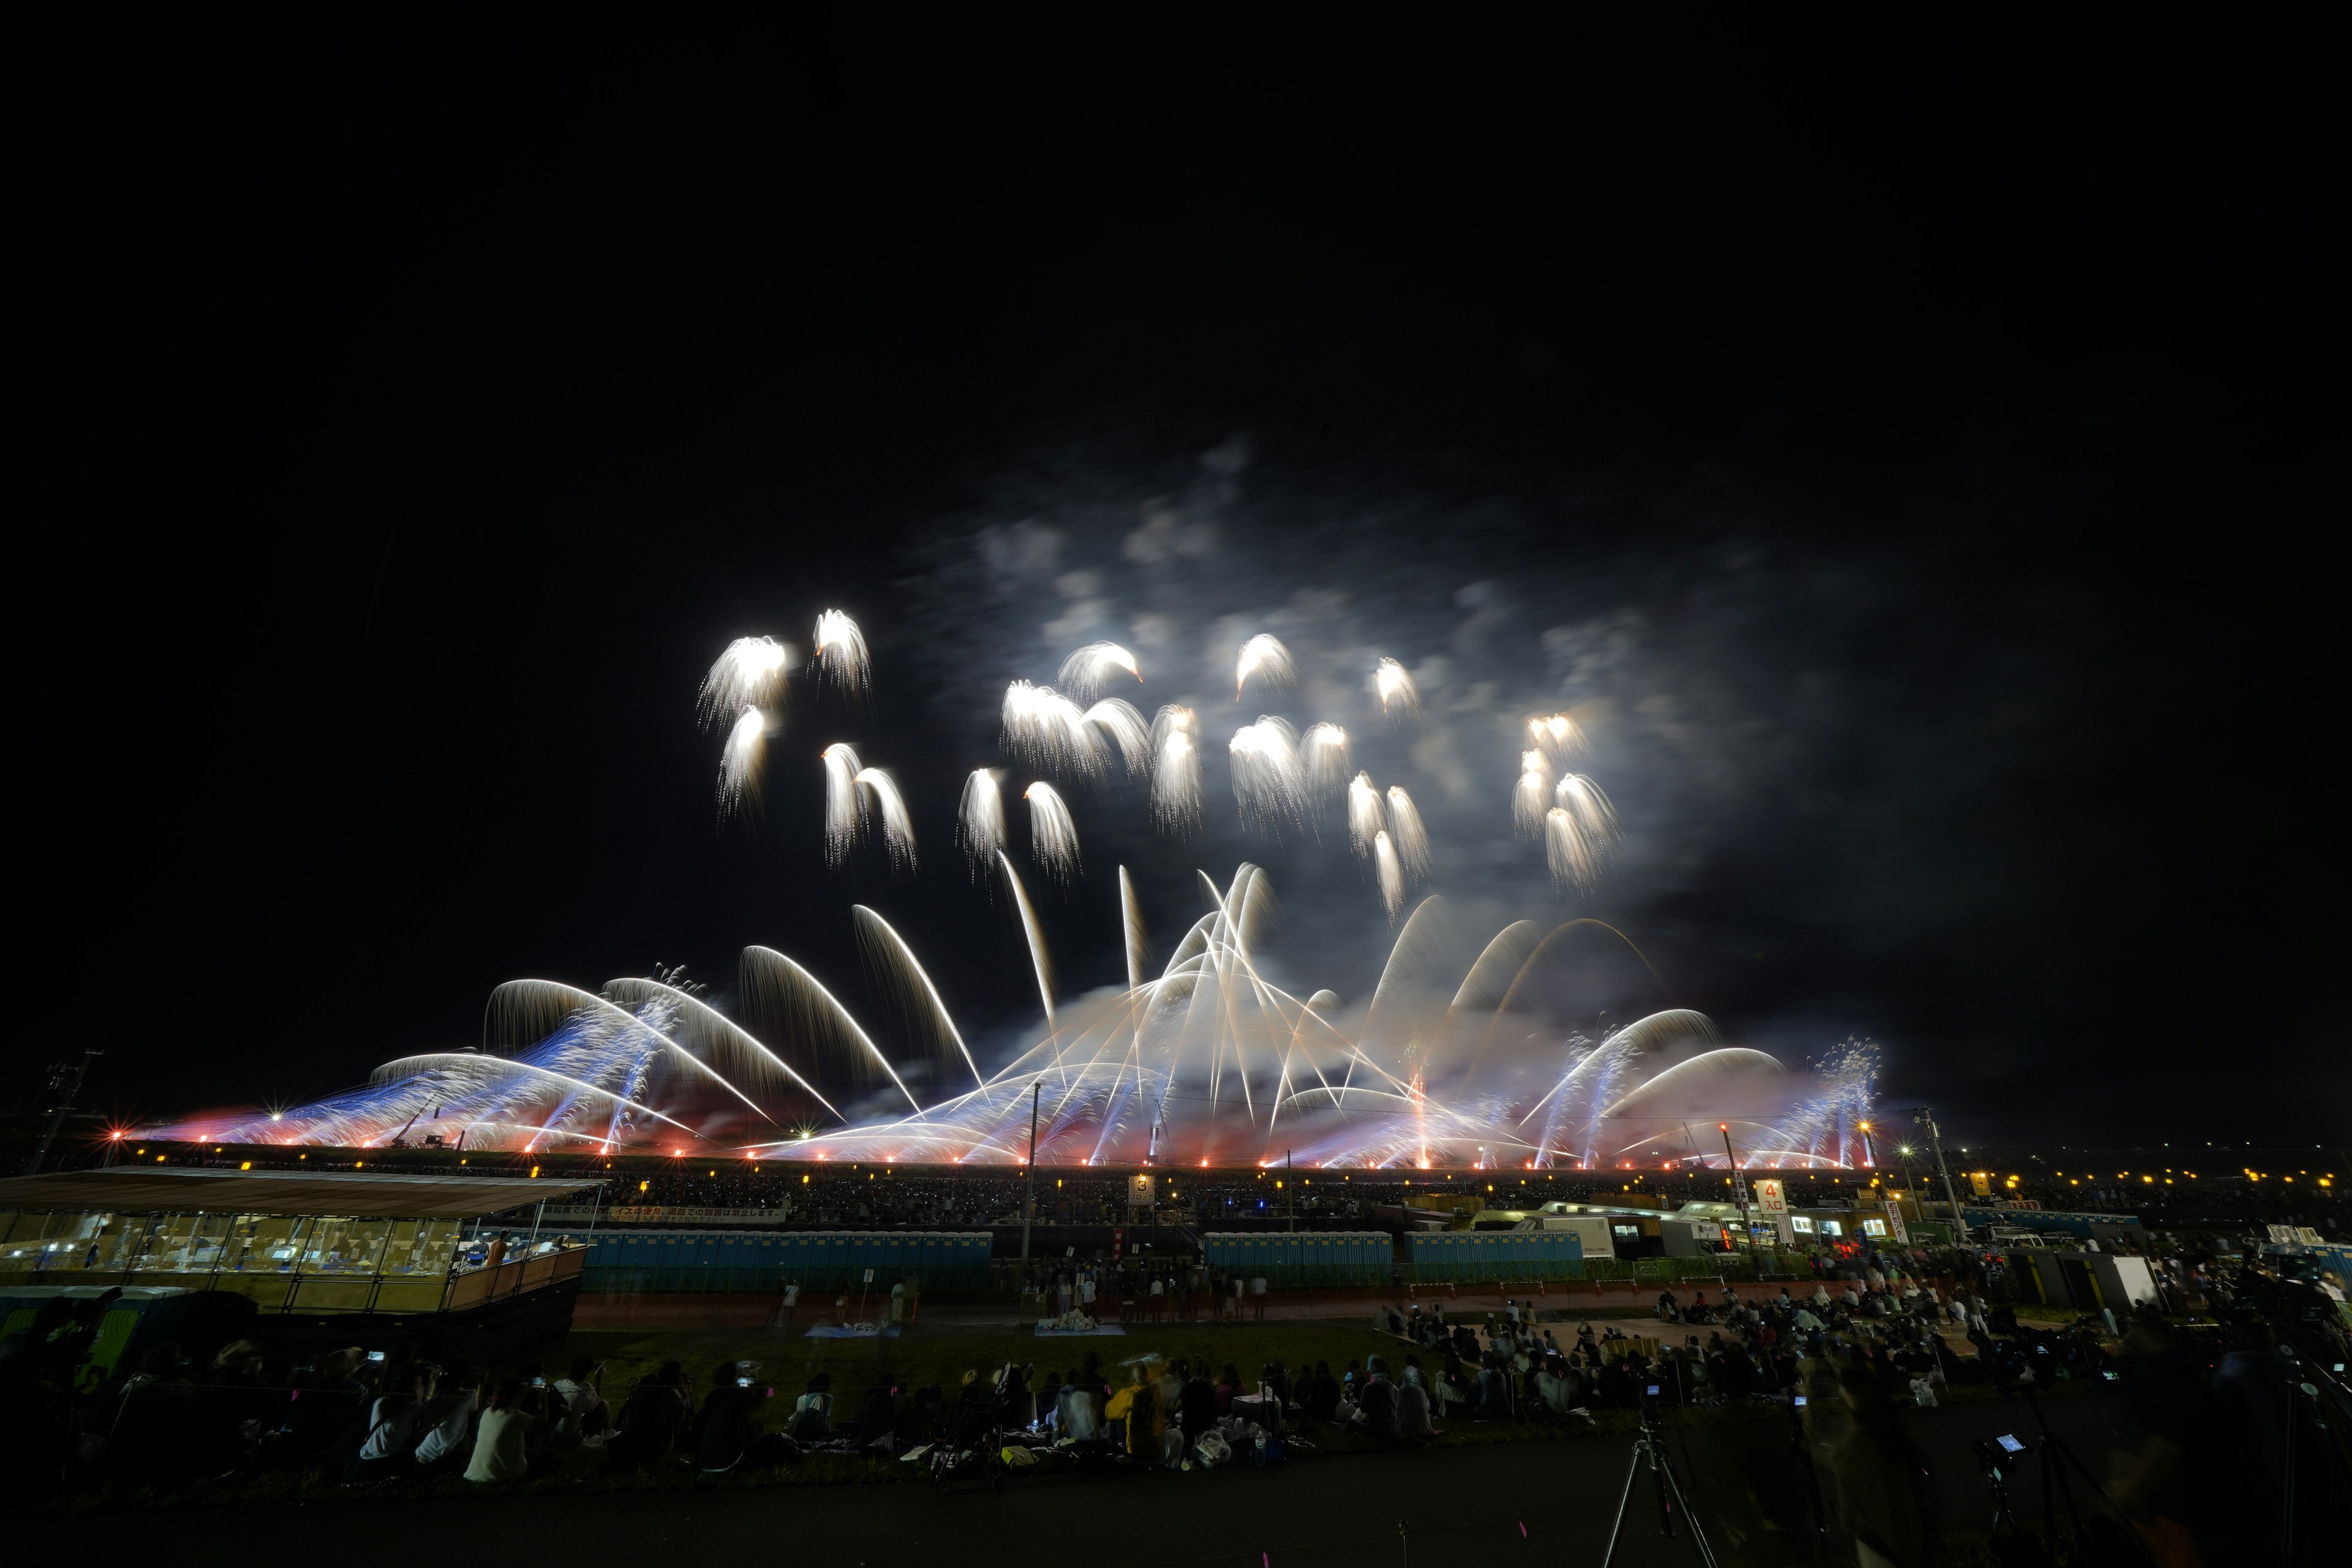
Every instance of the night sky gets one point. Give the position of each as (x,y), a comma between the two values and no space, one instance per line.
(1918,465)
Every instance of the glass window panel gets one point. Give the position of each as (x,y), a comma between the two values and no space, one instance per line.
(363,1246)
(322,1245)
(168,1247)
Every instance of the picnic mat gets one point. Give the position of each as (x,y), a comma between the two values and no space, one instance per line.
(829,1332)
(1100,1330)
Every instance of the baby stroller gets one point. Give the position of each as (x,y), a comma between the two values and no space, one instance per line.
(973,1446)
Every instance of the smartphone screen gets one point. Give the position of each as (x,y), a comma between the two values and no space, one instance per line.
(1800,1402)
(2110,1376)
(1653,1391)
(743,1382)
(539,1383)
(375,1355)
(2010,1445)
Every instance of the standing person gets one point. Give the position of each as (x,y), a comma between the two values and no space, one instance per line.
(1257,1297)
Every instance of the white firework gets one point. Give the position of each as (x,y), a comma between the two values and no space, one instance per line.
(1268,784)
(1411,840)
(897,827)
(1324,753)
(740,763)
(1591,808)
(1532,796)
(1574,854)
(1175,772)
(1048,731)
(1400,698)
(980,818)
(1391,879)
(1265,658)
(841,656)
(844,806)
(1053,837)
(1558,737)
(750,674)
(1086,672)
(1365,820)
(1118,720)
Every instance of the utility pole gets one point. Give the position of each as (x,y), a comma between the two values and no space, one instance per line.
(1290,1174)
(1029,1197)
(1739,1185)
(65,1087)
(1926,1117)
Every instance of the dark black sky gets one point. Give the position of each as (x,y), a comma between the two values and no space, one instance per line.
(1920,452)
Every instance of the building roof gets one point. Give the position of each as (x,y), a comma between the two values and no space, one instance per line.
(135,1189)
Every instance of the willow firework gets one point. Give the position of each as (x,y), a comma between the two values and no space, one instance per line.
(844,804)
(841,657)
(980,817)
(1175,772)
(1053,837)
(1264,658)
(1400,698)
(1085,673)
(751,673)
(1365,821)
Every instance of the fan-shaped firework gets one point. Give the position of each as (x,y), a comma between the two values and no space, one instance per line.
(1211,1058)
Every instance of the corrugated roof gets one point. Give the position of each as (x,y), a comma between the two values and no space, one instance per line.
(133,1189)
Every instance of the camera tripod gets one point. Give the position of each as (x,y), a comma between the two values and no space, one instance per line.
(1650,1448)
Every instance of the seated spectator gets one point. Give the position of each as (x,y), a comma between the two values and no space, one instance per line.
(723,1437)
(1495,1401)
(811,1417)
(877,1419)
(502,1442)
(1412,1418)
(395,1422)
(1078,1411)
(239,1364)
(447,1422)
(583,1415)
(1137,1408)
(650,1423)
(1196,1406)
(1229,1385)
(1376,1401)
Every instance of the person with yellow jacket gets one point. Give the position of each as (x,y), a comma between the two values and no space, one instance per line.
(1139,1405)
